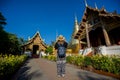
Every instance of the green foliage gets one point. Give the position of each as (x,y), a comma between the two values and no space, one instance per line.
(3,34)
(87,61)
(79,61)
(49,50)
(22,41)
(9,64)
(71,59)
(4,40)
(104,63)
(116,66)
(13,46)
(9,43)
(50,57)
(2,21)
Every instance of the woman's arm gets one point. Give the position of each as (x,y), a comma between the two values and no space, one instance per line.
(65,44)
(56,46)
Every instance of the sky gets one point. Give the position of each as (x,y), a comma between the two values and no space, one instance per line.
(25,17)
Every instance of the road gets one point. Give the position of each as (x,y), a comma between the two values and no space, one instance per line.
(42,69)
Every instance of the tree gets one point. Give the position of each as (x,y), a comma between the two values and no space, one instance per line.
(22,41)
(49,50)
(2,21)
(3,41)
(9,43)
(13,44)
(3,35)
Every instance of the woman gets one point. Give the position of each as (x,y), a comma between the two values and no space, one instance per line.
(60,47)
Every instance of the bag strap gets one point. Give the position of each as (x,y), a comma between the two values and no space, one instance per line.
(61,45)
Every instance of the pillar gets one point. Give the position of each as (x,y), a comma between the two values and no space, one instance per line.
(79,44)
(87,35)
(107,40)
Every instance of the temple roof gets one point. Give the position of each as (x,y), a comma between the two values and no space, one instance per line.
(102,13)
(35,35)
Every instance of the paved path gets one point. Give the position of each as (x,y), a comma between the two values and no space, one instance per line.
(41,69)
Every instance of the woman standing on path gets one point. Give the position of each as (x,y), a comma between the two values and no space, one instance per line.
(60,48)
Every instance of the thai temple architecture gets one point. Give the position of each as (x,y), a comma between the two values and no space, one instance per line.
(74,43)
(34,44)
(100,30)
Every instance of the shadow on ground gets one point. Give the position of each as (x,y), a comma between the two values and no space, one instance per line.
(31,76)
(85,75)
(22,73)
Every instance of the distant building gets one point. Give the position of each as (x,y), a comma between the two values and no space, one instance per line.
(99,29)
(34,44)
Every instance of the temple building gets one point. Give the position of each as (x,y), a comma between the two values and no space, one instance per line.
(99,29)
(74,43)
(34,44)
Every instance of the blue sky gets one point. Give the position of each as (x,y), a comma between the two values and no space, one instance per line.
(25,17)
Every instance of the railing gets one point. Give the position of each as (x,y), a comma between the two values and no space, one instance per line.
(102,50)
(110,50)
(86,51)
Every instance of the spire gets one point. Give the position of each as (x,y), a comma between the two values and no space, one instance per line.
(96,6)
(86,3)
(76,19)
(76,24)
(75,30)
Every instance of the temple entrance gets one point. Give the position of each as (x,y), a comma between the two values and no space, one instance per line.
(35,48)
(97,37)
(114,35)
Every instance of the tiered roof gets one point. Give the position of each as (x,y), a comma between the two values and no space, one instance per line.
(31,39)
(102,14)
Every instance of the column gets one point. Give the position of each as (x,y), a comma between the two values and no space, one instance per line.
(107,40)
(87,35)
(79,44)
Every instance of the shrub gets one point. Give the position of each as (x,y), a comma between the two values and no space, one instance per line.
(98,62)
(79,61)
(87,61)
(49,50)
(50,57)
(70,59)
(9,64)
(116,66)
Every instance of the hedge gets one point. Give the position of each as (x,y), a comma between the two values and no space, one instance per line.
(9,64)
(98,62)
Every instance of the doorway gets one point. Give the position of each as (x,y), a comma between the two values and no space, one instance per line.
(35,48)
(97,37)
